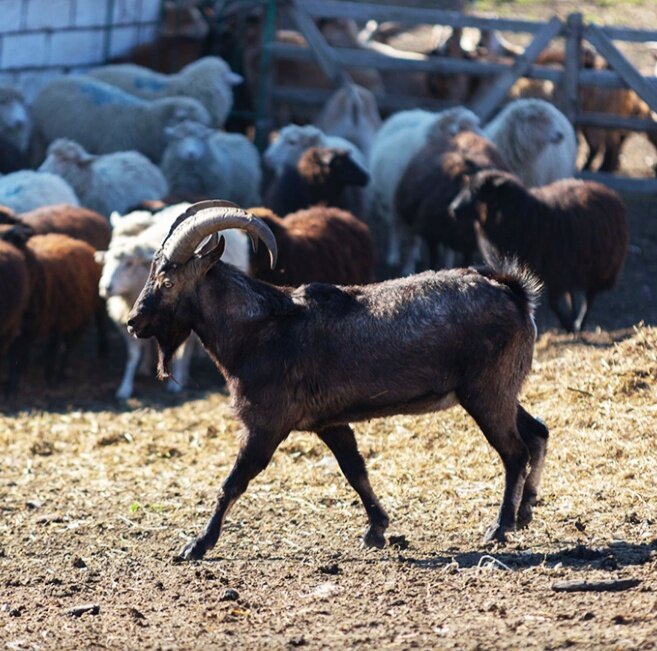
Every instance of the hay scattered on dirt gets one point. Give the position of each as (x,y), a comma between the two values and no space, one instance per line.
(96,502)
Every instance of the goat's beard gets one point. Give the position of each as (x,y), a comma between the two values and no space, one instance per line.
(166,350)
(163,359)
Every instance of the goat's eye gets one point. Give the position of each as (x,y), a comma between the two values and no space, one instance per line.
(167,283)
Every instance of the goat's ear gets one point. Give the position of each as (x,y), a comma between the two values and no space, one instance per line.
(470,168)
(210,250)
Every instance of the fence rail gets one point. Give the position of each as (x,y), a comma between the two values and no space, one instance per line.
(335,62)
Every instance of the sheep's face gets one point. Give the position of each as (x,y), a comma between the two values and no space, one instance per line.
(188,141)
(15,123)
(479,198)
(63,156)
(533,127)
(124,272)
(292,141)
(166,303)
(322,162)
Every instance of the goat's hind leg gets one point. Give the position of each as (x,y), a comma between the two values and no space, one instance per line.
(535,435)
(254,456)
(498,423)
(342,442)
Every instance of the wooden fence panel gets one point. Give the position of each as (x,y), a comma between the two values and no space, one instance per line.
(602,43)
(335,61)
(485,107)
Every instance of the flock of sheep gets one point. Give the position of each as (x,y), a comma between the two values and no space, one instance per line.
(98,168)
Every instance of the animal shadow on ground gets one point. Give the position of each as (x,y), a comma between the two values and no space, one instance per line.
(580,557)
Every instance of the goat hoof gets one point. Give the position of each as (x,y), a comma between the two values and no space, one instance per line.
(192,551)
(525,514)
(374,538)
(495,533)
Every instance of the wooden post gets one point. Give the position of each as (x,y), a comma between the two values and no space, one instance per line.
(631,76)
(321,49)
(263,107)
(571,67)
(488,104)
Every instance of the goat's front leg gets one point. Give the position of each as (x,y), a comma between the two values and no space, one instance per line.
(342,442)
(254,456)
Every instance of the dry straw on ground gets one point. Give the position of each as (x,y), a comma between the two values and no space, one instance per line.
(96,502)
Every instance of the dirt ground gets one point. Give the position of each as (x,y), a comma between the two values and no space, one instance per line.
(96,498)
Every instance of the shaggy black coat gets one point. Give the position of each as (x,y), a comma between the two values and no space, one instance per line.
(320,356)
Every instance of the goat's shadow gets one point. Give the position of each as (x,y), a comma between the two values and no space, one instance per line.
(579,557)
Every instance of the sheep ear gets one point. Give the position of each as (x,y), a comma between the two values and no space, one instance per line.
(233,79)
(86,158)
(115,218)
(99,257)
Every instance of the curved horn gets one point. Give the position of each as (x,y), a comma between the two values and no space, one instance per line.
(206,217)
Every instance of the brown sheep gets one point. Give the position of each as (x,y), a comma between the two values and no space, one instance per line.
(318,245)
(63,296)
(74,221)
(14,294)
(432,179)
(572,234)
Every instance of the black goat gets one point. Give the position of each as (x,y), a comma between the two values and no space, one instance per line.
(321,356)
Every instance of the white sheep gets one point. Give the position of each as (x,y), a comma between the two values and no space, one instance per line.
(293,140)
(125,270)
(105,119)
(351,113)
(201,162)
(27,190)
(400,137)
(536,139)
(208,80)
(15,120)
(105,183)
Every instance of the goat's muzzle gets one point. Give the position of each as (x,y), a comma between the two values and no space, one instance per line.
(137,327)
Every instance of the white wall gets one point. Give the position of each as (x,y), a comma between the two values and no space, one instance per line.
(40,39)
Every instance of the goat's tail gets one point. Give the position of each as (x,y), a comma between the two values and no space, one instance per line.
(523,283)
